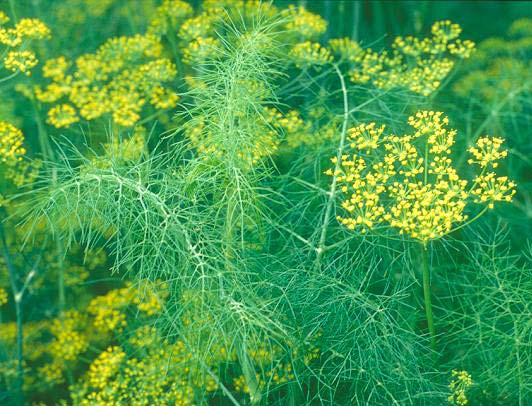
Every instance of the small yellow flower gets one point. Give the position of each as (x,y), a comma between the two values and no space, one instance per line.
(3,297)
(11,143)
(200,49)
(308,54)
(460,383)
(346,48)
(63,115)
(3,18)
(20,61)
(303,22)
(56,68)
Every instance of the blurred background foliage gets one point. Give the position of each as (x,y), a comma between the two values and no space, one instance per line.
(279,329)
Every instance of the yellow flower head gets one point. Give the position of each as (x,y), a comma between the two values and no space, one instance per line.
(11,141)
(304,23)
(417,64)
(346,48)
(20,61)
(3,297)
(308,54)
(409,183)
(62,115)
(460,383)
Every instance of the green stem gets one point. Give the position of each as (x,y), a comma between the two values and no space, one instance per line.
(426,294)
(60,279)
(17,295)
(13,12)
(328,209)
(246,364)
(49,156)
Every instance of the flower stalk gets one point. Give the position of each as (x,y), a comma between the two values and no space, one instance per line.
(426,294)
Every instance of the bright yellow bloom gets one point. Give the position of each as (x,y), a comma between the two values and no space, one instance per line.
(105,366)
(303,22)
(118,79)
(20,61)
(3,18)
(461,382)
(62,115)
(308,54)
(56,68)
(200,49)
(169,14)
(11,141)
(69,342)
(417,64)
(487,152)
(163,98)
(409,183)
(32,28)
(346,48)
(19,58)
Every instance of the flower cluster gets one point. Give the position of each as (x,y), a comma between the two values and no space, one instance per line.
(200,49)
(119,79)
(461,382)
(115,377)
(417,64)
(262,145)
(200,26)
(304,23)
(108,310)
(69,339)
(105,366)
(409,181)
(307,54)
(487,152)
(62,115)
(3,297)
(169,14)
(11,144)
(12,152)
(345,48)
(17,39)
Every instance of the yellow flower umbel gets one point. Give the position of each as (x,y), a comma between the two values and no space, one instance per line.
(62,115)
(409,183)
(12,152)
(3,297)
(345,48)
(459,385)
(22,61)
(119,79)
(11,140)
(105,366)
(200,49)
(17,40)
(419,65)
(303,22)
(307,54)
(169,14)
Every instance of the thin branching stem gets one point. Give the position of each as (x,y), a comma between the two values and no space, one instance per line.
(9,77)
(332,191)
(17,297)
(426,294)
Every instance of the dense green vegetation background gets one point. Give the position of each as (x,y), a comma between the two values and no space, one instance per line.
(134,270)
